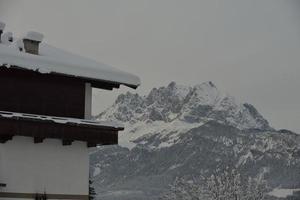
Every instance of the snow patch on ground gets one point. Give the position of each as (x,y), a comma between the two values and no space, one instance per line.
(97,171)
(168,132)
(282,193)
(120,193)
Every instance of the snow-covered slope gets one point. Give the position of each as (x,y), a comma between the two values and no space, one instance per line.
(171,110)
(190,131)
(144,173)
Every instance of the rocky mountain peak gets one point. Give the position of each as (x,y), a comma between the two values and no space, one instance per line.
(164,94)
(192,104)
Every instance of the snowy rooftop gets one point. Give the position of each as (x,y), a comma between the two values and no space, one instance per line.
(55,60)
(61,120)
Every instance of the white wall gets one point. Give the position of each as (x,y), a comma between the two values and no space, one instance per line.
(45,167)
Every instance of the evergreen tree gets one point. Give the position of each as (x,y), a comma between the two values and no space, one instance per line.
(92,192)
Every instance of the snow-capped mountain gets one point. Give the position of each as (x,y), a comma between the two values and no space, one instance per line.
(175,108)
(201,103)
(189,131)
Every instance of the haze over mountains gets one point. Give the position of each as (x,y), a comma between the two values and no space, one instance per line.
(189,131)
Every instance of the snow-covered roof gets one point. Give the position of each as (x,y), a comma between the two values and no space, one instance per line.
(55,60)
(61,120)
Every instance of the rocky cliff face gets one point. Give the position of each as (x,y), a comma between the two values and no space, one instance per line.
(189,131)
(200,103)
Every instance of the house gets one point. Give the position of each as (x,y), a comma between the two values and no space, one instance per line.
(46,128)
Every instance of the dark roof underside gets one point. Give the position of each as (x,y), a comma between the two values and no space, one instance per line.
(40,129)
(96,83)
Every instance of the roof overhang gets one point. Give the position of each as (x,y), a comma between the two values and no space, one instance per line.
(56,61)
(66,129)
(95,83)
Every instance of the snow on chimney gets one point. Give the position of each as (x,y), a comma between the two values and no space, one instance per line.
(32,41)
(2,26)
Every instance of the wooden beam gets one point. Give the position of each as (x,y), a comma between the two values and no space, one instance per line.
(104,85)
(2,185)
(49,196)
(38,140)
(91,144)
(5,138)
(67,142)
(67,133)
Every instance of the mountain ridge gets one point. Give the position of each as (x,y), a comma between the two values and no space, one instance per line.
(145,173)
(187,103)
(189,131)
(175,108)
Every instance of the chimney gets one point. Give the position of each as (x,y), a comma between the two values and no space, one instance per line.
(2,26)
(32,41)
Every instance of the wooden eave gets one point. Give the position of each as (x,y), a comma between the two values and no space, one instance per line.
(101,84)
(40,129)
(96,83)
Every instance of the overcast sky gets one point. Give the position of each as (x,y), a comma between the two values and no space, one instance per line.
(250,49)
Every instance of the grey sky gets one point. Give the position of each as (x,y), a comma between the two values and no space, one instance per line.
(251,49)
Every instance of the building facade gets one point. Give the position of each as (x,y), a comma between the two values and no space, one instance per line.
(46,128)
